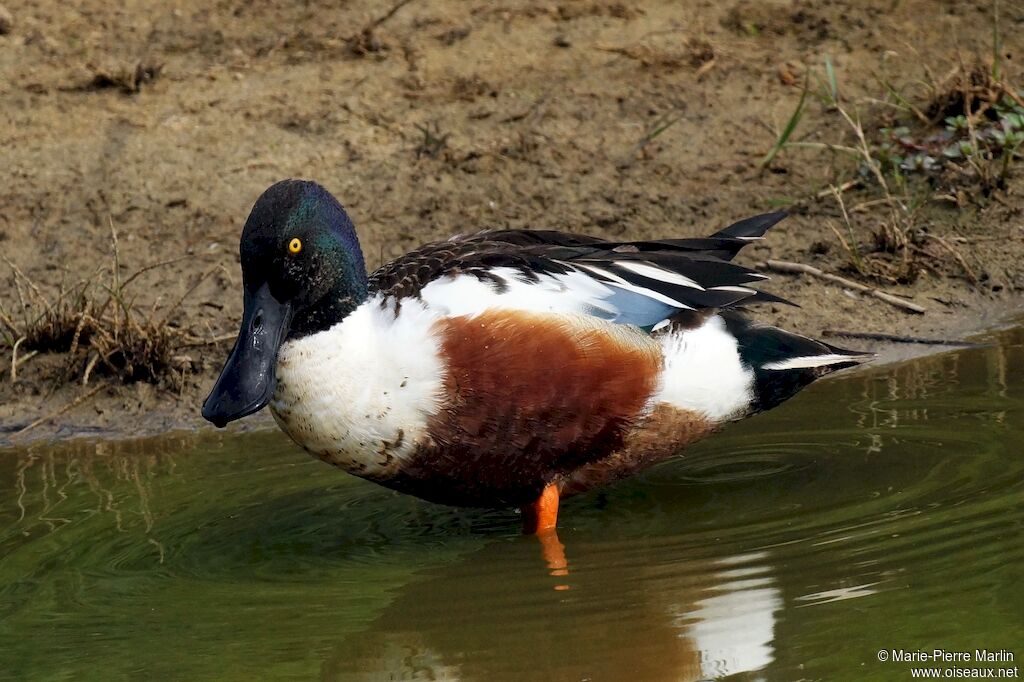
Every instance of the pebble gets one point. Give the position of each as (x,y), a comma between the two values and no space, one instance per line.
(6,21)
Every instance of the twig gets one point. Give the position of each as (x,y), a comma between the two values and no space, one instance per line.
(956,254)
(895,338)
(89,367)
(865,149)
(852,151)
(704,68)
(14,360)
(831,189)
(53,415)
(801,269)
(82,318)
(390,13)
(852,246)
(884,201)
(188,292)
(121,286)
(26,357)
(193,341)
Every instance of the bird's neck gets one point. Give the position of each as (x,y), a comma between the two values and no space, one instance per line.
(347,294)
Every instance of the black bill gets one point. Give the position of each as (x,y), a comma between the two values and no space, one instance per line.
(246,383)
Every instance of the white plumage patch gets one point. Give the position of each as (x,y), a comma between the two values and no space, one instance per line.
(703,372)
(737,289)
(651,272)
(646,293)
(572,292)
(810,361)
(359,394)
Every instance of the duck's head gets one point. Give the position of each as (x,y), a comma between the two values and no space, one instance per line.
(302,272)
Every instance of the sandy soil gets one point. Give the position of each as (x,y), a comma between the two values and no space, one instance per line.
(165,120)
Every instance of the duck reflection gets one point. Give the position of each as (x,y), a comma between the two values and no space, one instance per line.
(628,615)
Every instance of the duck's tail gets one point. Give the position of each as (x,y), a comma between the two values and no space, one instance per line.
(784,362)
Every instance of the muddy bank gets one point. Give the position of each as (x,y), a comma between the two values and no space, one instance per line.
(163,124)
(115,411)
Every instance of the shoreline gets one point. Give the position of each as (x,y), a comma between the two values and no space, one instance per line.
(85,422)
(133,158)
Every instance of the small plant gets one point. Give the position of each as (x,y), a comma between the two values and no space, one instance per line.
(969,130)
(791,124)
(97,324)
(958,146)
(433,142)
(980,145)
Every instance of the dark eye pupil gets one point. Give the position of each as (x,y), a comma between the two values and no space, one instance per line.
(257,322)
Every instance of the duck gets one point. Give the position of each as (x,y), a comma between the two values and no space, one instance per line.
(504,368)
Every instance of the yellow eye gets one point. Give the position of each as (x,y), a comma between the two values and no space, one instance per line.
(295,245)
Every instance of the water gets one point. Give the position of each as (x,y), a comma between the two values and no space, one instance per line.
(877,510)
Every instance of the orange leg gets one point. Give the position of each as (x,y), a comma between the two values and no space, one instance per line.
(542,514)
(553,552)
(541,518)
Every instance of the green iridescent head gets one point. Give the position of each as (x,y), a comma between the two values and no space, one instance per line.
(302,272)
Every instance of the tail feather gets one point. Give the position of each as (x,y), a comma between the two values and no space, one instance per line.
(751,228)
(784,362)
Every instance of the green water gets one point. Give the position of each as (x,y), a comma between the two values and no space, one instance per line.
(877,510)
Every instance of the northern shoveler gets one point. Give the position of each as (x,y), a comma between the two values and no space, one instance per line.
(505,368)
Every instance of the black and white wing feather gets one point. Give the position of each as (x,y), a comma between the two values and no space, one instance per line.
(642,283)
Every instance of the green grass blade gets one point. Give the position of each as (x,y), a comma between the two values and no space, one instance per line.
(794,120)
(830,76)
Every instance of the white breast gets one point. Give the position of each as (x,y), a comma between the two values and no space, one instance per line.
(359,394)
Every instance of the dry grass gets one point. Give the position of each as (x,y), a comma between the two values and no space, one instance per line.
(99,326)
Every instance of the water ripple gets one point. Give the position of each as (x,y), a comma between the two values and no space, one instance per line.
(883,502)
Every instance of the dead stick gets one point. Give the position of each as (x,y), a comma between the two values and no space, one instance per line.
(21,361)
(192,342)
(16,361)
(956,254)
(894,338)
(390,13)
(53,415)
(801,269)
(89,367)
(842,188)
